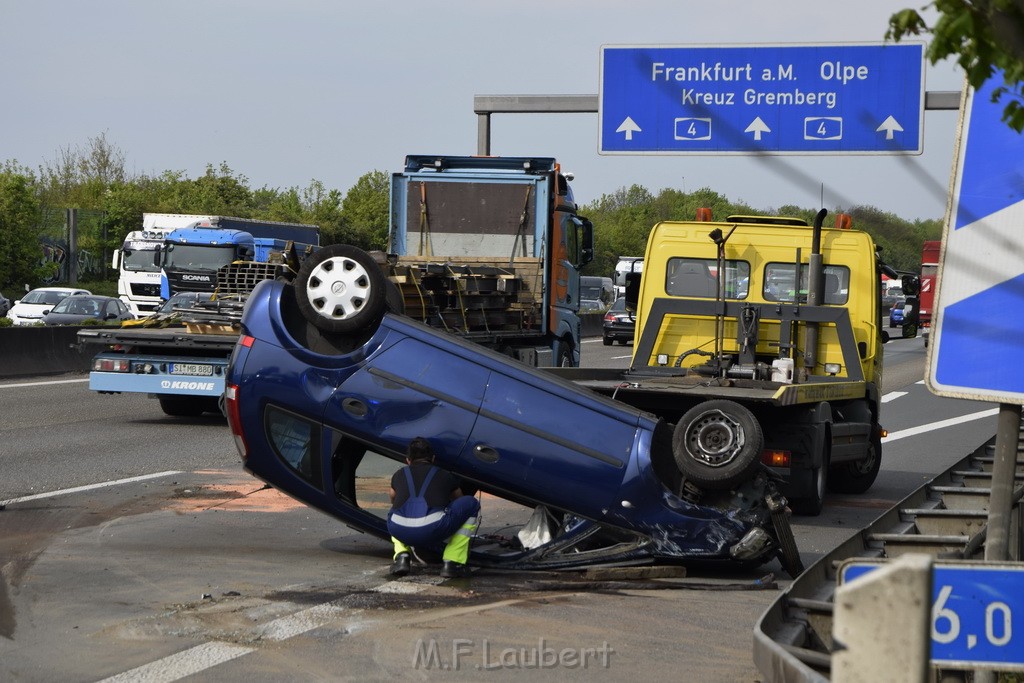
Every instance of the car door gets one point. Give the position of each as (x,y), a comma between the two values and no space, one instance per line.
(551,442)
(411,388)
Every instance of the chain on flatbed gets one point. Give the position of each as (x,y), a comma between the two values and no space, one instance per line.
(946,518)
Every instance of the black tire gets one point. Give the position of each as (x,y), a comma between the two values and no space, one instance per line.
(341,289)
(717,444)
(857,477)
(564,359)
(608,341)
(182,406)
(810,506)
(789,554)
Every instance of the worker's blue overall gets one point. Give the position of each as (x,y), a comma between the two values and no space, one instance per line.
(414,523)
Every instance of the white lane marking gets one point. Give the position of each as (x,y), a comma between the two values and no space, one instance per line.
(301,622)
(40,384)
(187,663)
(914,431)
(893,395)
(89,487)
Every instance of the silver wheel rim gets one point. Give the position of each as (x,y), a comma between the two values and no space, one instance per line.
(714,439)
(338,288)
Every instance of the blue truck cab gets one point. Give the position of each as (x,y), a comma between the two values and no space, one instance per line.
(191,256)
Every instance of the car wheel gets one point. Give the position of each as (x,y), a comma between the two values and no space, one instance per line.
(607,341)
(341,289)
(717,444)
(858,476)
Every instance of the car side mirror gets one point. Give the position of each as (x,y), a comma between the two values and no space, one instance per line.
(632,292)
(911,285)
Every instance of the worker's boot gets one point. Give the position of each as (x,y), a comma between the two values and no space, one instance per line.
(401,565)
(453,570)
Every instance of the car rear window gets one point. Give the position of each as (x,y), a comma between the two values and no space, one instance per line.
(293,440)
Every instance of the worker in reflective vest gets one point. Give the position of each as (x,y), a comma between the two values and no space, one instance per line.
(428,508)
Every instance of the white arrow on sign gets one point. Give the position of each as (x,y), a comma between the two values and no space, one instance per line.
(628,127)
(757,126)
(890,125)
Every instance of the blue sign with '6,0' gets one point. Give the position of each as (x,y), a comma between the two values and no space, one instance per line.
(766,99)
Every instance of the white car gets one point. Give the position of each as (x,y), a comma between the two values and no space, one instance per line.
(29,309)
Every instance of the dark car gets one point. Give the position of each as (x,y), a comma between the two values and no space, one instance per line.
(75,310)
(619,324)
(327,386)
(5,304)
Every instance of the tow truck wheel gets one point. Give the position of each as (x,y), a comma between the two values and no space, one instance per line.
(857,477)
(340,289)
(812,504)
(717,444)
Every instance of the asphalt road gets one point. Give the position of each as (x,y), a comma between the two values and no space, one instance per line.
(197,570)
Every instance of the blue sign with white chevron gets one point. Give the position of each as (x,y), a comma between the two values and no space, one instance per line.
(978,329)
(762,99)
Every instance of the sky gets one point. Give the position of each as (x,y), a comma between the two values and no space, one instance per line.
(289,92)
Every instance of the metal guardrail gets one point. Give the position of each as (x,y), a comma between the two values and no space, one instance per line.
(946,518)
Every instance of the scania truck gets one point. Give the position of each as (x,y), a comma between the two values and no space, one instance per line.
(191,255)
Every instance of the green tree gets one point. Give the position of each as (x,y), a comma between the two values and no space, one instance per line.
(983,35)
(364,211)
(20,257)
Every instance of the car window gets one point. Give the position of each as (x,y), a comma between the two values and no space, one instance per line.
(780,283)
(697,277)
(292,439)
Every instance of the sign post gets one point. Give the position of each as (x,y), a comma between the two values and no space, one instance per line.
(765,99)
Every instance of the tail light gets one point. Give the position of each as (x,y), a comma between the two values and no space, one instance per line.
(235,419)
(776,458)
(609,317)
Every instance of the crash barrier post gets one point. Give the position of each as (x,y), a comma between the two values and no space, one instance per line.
(39,350)
(882,624)
(946,517)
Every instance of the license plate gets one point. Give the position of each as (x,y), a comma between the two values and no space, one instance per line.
(192,369)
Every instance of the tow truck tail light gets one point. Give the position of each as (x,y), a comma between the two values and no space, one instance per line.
(111,365)
(776,458)
(235,419)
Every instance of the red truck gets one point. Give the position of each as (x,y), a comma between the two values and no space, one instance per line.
(929,283)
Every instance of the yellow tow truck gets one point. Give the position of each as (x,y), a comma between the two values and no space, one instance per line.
(759,341)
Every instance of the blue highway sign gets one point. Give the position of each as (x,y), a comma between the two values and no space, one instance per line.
(764,99)
(978,329)
(977,613)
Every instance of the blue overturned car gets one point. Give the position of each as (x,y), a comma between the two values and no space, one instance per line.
(330,381)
